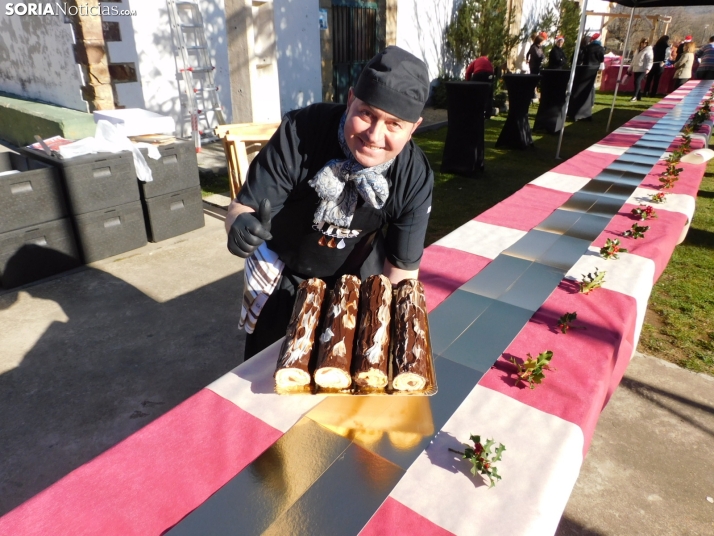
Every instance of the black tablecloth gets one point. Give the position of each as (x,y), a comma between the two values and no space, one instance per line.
(516,132)
(464,147)
(582,97)
(553,87)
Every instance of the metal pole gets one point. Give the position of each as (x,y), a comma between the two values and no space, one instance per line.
(572,76)
(619,73)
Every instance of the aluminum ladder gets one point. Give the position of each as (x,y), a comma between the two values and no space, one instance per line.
(200,106)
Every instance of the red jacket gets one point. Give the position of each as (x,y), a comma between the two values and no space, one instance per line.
(479,65)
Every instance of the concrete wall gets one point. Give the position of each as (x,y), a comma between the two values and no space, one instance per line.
(37,59)
(298,52)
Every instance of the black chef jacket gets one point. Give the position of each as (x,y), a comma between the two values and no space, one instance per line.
(304,143)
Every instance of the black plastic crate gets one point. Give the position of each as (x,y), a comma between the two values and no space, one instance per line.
(177,169)
(94,181)
(174,214)
(37,251)
(111,231)
(32,196)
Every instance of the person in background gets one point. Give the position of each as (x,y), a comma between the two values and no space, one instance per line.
(705,71)
(640,66)
(594,52)
(659,51)
(481,70)
(535,55)
(673,54)
(684,65)
(584,42)
(478,66)
(556,58)
(680,47)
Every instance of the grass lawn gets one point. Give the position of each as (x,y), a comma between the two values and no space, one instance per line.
(214,184)
(679,325)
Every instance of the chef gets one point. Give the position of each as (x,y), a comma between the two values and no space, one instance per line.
(319,194)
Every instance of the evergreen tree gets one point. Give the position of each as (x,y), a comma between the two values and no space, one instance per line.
(569,24)
(479,28)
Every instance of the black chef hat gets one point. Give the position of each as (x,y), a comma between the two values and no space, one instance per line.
(395,81)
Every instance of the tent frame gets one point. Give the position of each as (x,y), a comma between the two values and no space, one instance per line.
(564,111)
(619,72)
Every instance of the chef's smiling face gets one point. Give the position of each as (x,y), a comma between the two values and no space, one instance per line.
(373,135)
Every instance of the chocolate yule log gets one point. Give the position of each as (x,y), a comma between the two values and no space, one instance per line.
(412,354)
(334,357)
(293,368)
(370,369)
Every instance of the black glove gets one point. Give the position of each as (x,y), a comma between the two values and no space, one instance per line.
(249,230)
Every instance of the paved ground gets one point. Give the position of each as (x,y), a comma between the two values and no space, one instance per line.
(650,469)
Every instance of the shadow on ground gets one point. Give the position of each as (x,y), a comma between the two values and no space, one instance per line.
(116,360)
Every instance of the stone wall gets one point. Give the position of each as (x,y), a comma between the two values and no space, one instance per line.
(37,59)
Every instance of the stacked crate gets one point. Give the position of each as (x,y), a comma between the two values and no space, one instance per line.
(36,237)
(172,200)
(103,199)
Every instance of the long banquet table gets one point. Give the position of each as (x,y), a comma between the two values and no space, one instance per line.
(238,459)
(609,80)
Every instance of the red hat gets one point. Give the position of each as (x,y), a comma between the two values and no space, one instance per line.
(596,35)
(543,35)
(559,38)
(688,39)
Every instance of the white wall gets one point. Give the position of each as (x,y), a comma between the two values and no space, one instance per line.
(156,64)
(420,30)
(37,59)
(129,94)
(298,52)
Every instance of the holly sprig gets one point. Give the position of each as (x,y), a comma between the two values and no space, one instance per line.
(668,181)
(670,175)
(592,281)
(611,249)
(531,371)
(659,197)
(700,116)
(482,459)
(675,156)
(565,322)
(644,212)
(636,231)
